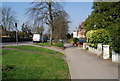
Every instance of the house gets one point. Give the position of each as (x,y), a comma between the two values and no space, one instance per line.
(79,32)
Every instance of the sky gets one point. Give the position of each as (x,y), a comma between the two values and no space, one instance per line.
(77,11)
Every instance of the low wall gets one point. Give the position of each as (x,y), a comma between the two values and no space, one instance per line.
(103,50)
(92,50)
(115,57)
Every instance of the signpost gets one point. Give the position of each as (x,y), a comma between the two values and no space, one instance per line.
(16,34)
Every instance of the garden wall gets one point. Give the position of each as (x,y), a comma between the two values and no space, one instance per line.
(97,51)
(103,50)
(115,57)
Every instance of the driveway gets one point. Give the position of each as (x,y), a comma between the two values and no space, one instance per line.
(85,65)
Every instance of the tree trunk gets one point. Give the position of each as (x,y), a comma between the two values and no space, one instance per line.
(51,22)
(51,36)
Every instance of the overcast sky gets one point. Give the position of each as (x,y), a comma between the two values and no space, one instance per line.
(78,12)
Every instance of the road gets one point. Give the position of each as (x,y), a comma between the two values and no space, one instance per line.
(84,65)
(14,43)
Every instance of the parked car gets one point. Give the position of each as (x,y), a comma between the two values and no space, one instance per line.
(37,38)
(81,41)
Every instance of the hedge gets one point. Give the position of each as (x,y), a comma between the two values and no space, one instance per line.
(97,36)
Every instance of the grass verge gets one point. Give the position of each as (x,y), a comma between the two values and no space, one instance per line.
(35,49)
(24,65)
(59,45)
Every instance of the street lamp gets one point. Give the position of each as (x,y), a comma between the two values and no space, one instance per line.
(16,34)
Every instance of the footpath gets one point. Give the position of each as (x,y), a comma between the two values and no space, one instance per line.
(84,65)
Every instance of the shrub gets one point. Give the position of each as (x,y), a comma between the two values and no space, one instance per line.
(86,48)
(115,36)
(70,40)
(75,40)
(97,36)
(89,35)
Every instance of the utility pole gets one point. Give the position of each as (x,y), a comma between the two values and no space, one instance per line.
(16,34)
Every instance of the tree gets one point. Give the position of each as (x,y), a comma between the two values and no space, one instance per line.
(106,15)
(71,35)
(38,30)
(26,30)
(68,36)
(103,15)
(60,23)
(45,12)
(8,19)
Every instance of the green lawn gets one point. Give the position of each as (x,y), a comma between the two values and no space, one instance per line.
(60,45)
(43,44)
(35,49)
(24,65)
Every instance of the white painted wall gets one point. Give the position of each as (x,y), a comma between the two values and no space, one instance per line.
(115,57)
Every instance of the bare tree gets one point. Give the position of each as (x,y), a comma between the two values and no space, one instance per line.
(8,18)
(26,29)
(38,29)
(61,27)
(45,12)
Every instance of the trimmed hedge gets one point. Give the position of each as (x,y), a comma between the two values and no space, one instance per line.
(97,36)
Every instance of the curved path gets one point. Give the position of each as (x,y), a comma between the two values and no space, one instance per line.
(84,65)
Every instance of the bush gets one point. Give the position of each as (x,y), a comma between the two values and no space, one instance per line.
(70,40)
(75,40)
(114,31)
(97,36)
(86,48)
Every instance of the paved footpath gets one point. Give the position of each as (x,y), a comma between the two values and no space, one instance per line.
(84,65)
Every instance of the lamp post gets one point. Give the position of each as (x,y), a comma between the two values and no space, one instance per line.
(16,34)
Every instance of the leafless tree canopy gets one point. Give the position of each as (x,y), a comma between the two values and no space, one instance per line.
(43,11)
(46,12)
(8,18)
(61,27)
(38,30)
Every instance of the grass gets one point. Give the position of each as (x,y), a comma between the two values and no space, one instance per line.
(60,45)
(35,49)
(0,58)
(24,65)
(43,44)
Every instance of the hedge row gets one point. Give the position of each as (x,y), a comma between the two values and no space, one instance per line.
(97,36)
